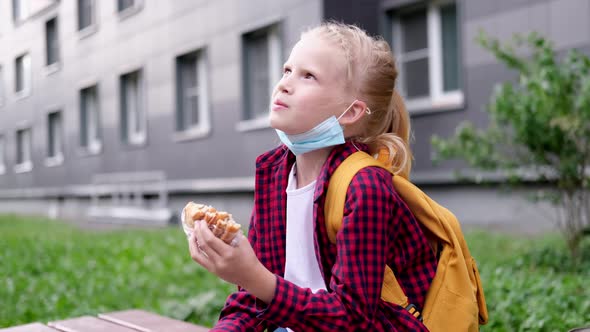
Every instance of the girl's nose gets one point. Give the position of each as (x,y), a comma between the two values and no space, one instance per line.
(284,86)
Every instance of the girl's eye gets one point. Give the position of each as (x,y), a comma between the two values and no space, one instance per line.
(309,76)
(286,71)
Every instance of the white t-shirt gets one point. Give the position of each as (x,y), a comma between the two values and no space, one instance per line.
(301,267)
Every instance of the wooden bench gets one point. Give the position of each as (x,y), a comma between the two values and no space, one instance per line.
(118,321)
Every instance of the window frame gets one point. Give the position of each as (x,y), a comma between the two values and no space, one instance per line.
(129,11)
(3,146)
(203,127)
(58,157)
(54,66)
(274,38)
(438,99)
(2,87)
(26,75)
(94,147)
(23,11)
(128,138)
(26,165)
(93,26)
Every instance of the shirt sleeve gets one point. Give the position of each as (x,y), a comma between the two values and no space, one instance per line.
(355,287)
(239,314)
(241,308)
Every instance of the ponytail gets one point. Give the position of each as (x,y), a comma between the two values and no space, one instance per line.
(393,145)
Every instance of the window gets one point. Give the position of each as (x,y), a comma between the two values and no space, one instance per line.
(20,10)
(133,116)
(1,86)
(261,68)
(191,93)
(2,154)
(426,43)
(125,4)
(89,120)
(128,8)
(85,14)
(23,150)
(51,42)
(22,75)
(54,138)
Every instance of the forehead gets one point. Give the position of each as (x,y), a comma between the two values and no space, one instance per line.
(314,53)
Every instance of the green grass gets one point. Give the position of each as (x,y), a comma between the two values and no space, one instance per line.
(530,283)
(51,271)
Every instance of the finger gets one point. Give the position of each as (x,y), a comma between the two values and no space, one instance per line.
(198,236)
(214,242)
(197,254)
(207,240)
(239,239)
(236,240)
(199,243)
(192,244)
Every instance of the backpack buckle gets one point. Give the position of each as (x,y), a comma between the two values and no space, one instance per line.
(413,310)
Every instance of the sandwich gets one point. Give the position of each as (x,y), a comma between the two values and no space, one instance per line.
(220,223)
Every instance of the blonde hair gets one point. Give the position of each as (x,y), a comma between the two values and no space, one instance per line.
(371,74)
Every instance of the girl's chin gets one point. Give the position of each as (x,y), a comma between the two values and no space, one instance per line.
(276,123)
(285,125)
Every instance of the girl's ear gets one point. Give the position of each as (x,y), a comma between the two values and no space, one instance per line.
(356,112)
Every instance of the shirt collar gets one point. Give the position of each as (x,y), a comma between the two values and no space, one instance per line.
(335,158)
(282,157)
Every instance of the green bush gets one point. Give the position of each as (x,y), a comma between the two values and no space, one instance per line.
(539,129)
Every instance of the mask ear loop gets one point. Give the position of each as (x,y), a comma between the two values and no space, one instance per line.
(368,111)
(356,147)
(346,110)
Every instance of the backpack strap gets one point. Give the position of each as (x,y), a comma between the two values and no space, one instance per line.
(334,212)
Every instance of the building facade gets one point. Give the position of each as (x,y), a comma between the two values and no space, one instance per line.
(122,110)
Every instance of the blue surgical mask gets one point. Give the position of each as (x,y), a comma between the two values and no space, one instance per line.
(327,133)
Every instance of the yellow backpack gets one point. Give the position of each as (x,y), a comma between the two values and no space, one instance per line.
(455,300)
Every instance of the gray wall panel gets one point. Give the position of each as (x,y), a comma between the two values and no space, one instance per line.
(481,8)
(565,22)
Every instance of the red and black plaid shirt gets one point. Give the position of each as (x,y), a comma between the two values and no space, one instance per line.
(377,229)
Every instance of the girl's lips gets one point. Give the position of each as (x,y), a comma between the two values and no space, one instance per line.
(277,105)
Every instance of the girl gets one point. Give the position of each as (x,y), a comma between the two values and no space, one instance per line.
(336,96)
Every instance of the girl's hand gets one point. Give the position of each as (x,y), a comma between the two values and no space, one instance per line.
(235,264)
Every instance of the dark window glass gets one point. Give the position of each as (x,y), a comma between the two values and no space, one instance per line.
(125,4)
(416,79)
(256,70)
(450,45)
(54,134)
(187,91)
(414,31)
(51,41)
(85,13)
